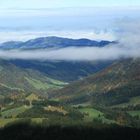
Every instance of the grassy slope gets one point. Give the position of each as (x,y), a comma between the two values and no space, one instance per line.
(32,97)
(114,85)
(14,79)
(91,113)
(14,112)
(4,122)
(134,113)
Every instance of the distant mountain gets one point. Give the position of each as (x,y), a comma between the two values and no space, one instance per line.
(117,84)
(10,45)
(19,80)
(47,42)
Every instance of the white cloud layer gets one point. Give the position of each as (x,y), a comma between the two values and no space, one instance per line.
(74,54)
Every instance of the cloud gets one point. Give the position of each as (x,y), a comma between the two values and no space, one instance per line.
(128,35)
(73,54)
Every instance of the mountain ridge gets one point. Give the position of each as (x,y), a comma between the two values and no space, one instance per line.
(53,41)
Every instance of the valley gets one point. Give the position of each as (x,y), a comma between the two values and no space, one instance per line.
(109,96)
(68,92)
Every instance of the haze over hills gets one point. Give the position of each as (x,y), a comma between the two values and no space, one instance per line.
(62,70)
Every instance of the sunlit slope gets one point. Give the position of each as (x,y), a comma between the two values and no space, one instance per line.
(114,85)
(14,79)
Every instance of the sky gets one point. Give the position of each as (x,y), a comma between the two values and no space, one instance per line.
(64,3)
(22,20)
